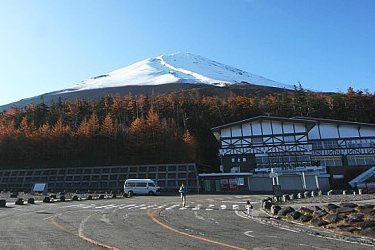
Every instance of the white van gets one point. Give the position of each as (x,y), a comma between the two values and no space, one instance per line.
(140,186)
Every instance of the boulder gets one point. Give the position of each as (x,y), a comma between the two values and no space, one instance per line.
(275,209)
(318,222)
(330,208)
(344,210)
(47,199)
(89,197)
(19,201)
(367,224)
(370,232)
(305,218)
(349,204)
(3,203)
(31,201)
(285,210)
(333,218)
(306,210)
(346,228)
(319,213)
(62,198)
(316,208)
(286,198)
(299,196)
(75,198)
(291,196)
(295,215)
(306,194)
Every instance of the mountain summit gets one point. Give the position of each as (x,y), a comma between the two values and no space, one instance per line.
(175,68)
(162,74)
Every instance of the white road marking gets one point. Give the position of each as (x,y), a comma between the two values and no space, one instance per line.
(171,207)
(138,206)
(314,247)
(247,233)
(197,207)
(235,207)
(105,219)
(161,206)
(110,205)
(210,207)
(150,206)
(198,216)
(122,207)
(223,207)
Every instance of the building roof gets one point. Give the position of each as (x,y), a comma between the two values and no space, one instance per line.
(360,124)
(310,121)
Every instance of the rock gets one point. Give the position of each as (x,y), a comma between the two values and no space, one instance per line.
(349,204)
(370,232)
(275,209)
(367,224)
(291,196)
(47,199)
(344,210)
(319,213)
(306,210)
(3,203)
(286,198)
(330,208)
(295,215)
(346,228)
(333,218)
(330,192)
(299,196)
(366,211)
(267,205)
(318,222)
(305,218)
(31,201)
(353,219)
(19,201)
(306,194)
(316,208)
(285,210)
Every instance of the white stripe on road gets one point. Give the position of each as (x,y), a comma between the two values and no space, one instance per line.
(223,207)
(122,207)
(210,207)
(171,207)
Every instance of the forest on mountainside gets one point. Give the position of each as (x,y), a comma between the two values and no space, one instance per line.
(166,128)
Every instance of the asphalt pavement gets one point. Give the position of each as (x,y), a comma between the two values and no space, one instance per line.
(153,222)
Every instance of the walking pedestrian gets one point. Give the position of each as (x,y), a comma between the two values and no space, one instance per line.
(249,208)
(183,192)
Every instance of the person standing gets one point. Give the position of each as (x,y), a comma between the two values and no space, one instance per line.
(183,192)
(249,208)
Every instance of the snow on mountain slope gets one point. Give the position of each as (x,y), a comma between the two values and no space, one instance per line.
(175,68)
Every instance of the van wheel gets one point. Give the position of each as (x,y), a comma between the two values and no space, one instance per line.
(130,194)
(150,193)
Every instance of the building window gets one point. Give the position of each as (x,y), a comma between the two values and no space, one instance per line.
(257,140)
(244,159)
(233,159)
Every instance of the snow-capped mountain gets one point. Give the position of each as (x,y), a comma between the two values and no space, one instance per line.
(175,68)
(163,74)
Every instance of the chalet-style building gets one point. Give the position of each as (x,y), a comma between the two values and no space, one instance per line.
(301,152)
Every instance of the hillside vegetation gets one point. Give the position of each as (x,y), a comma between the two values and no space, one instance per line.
(165,128)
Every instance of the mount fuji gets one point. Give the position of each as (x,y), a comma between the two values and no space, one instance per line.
(165,73)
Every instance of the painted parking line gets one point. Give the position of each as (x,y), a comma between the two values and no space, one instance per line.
(130,205)
(223,207)
(171,207)
(210,207)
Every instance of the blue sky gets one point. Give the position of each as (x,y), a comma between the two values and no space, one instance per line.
(51,45)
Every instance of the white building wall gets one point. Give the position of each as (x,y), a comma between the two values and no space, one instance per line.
(277,127)
(328,130)
(225,132)
(288,127)
(266,125)
(236,131)
(256,128)
(246,129)
(348,131)
(367,131)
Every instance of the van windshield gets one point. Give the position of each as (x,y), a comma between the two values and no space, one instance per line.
(150,184)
